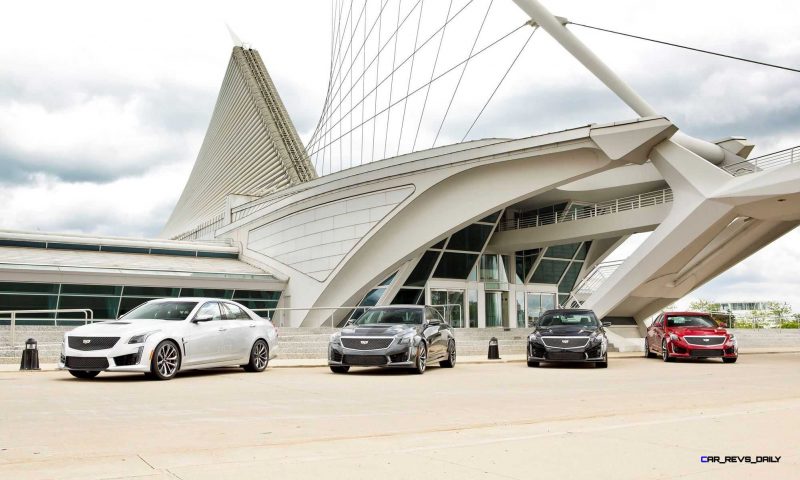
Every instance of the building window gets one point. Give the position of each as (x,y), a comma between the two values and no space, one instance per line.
(470,239)
(549,271)
(455,265)
(472,301)
(493,310)
(422,271)
(520,309)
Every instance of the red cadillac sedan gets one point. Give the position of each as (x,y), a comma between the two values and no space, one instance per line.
(689,335)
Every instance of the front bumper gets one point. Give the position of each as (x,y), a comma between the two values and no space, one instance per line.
(680,348)
(393,356)
(122,357)
(592,353)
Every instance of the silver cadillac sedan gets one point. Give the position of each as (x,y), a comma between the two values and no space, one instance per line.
(165,336)
(397,336)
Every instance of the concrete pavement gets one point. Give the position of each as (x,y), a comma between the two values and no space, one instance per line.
(637,419)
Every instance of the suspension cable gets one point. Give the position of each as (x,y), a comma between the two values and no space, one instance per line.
(461,77)
(500,82)
(709,52)
(418,89)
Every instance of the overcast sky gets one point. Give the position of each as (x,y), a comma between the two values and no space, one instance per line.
(104,105)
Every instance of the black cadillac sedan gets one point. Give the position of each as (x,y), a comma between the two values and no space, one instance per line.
(397,336)
(569,335)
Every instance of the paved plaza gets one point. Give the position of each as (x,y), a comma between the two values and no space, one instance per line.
(637,419)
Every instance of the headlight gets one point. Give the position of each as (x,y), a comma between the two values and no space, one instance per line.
(336,338)
(535,337)
(731,338)
(407,340)
(141,338)
(596,337)
(672,336)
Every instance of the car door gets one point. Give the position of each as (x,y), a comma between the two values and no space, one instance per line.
(241,330)
(203,338)
(433,334)
(656,333)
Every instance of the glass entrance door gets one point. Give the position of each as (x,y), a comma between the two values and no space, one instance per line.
(450,304)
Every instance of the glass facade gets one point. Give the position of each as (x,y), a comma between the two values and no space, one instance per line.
(110,301)
(520,309)
(472,302)
(452,306)
(493,310)
(538,303)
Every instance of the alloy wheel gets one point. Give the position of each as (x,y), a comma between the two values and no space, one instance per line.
(664,351)
(167,360)
(422,358)
(260,355)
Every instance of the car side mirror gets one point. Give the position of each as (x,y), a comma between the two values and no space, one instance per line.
(202,318)
(606,324)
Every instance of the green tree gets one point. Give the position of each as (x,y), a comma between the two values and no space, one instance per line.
(779,311)
(702,305)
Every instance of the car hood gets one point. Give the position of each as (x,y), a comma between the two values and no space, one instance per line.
(378,330)
(697,331)
(122,328)
(566,331)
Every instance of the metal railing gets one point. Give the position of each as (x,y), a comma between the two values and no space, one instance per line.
(592,282)
(275,315)
(204,231)
(579,212)
(764,162)
(88,317)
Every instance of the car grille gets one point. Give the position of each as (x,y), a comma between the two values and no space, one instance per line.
(335,356)
(705,353)
(366,343)
(594,352)
(126,360)
(537,351)
(399,357)
(87,363)
(566,356)
(565,342)
(704,340)
(88,344)
(365,360)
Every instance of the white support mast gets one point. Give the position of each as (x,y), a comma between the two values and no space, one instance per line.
(595,65)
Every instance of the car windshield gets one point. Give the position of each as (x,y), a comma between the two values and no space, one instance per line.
(161,311)
(690,321)
(398,316)
(577,319)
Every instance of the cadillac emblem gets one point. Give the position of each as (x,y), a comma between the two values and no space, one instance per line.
(87,340)
(364,342)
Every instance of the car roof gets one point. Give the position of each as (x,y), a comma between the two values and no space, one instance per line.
(192,299)
(569,310)
(398,306)
(704,314)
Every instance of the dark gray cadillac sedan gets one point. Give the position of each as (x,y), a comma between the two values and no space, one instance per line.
(397,336)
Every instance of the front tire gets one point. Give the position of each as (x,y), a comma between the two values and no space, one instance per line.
(84,374)
(451,356)
(730,360)
(422,359)
(259,357)
(603,364)
(166,360)
(647,352)
(665,352)
(340,368)
(532,363)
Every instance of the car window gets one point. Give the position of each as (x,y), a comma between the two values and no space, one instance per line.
(177,310)
(210,309)
(233,312)
(397,316)
(579,319)
(690,321)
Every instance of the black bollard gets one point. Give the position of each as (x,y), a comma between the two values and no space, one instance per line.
(30,356)
(494,349)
